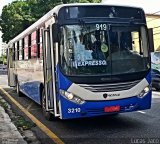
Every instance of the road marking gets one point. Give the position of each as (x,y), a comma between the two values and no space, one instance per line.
(141,112)
(47,131)
(31,109)
(155,94)
(29,106)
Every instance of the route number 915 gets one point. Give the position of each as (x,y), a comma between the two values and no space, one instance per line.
(101,27)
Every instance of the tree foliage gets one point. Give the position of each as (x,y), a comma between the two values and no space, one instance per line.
(19,15)
(3,59)
(15,18)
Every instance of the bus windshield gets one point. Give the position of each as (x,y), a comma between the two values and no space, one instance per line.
(101,49)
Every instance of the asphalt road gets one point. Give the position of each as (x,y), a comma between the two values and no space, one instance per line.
(128,128)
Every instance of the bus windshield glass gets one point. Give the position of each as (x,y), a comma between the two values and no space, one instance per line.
(101,49)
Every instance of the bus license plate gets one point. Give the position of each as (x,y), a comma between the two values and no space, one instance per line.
(112,109)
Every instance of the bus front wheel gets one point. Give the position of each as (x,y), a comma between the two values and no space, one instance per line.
(47,114)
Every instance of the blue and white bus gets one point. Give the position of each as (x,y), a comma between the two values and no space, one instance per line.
(84,60)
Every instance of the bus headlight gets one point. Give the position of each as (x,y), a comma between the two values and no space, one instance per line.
(72,97)
(144,92)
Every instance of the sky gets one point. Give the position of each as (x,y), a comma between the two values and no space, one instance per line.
(3,3)
(149,6)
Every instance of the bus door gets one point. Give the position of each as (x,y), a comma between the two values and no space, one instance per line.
(11,68)
(49,72)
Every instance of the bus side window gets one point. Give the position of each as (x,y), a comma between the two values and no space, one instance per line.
(41,48)
(38,42)
(33,45)
(23,49)
(14,51)
(29,46)
(26,48)
(20,49)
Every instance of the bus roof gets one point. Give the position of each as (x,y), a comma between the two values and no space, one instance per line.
(48,15)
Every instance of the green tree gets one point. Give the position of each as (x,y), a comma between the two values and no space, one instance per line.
(41,7)
(15,18)
(3,59)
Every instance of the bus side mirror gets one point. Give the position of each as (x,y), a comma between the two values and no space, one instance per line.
(151,40)
(55,32)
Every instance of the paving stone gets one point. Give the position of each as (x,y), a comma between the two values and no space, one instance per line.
(30,135)
(4,116)
(8,132)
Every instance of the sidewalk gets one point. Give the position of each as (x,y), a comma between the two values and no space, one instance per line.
(8,132)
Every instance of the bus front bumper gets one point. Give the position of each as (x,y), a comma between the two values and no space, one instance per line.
(71,110)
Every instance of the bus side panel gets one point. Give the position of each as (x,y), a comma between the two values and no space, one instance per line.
(63,82)
(32,90)
(30,76)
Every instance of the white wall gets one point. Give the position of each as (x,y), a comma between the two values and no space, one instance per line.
(3,46)
(149,6)
(0,43)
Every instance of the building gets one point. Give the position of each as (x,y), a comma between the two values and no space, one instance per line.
(153,21)
(3,46)
(0,42)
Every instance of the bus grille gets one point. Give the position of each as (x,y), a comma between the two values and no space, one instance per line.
(109,87)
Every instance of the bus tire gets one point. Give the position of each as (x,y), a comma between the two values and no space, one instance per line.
(18,89)
(47,114)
